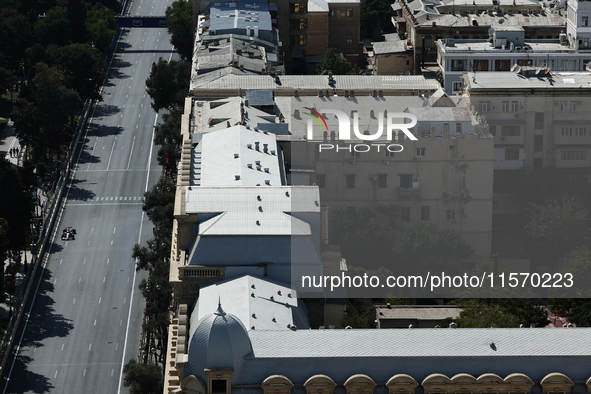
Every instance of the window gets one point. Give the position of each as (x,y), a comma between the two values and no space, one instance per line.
(300,39)
(573,155)
(566,131)
(480,65)
(420,152)
(459,65)
(484,106)
(549,64)
(382,180)
(299,7)
(514,106)
(425,213)
(502,65)
(450,214)
(572,178)
(580,131)
(427,43)
(298,24)
(405,214)
(539,121)
(585,20)
(350,182)
(511,153)
(524,62)
(568,65)
(331,12)
(349,12)
(538,143)
(321,180)
(585,44)
(218,386)
(506,106)
(563,106)
(573,106)
(510,131)
(406,181)
(458,128)
(457,86)
(349,39)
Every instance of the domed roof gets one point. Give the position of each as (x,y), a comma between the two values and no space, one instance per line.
(219,340)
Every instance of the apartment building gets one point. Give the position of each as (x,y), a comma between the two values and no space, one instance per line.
(423,22)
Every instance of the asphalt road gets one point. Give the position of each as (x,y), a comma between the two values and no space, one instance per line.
(85,321)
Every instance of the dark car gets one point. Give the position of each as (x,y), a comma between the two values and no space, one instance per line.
(69,234)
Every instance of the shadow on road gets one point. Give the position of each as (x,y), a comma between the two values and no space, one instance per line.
(106,110)
(34,383)
(77,193)
(104,130)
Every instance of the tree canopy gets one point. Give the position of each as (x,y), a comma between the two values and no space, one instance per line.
(143,378)
(338,65)
(180,27)
(168,84)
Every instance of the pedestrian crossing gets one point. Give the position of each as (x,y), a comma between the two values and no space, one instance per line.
(105,199)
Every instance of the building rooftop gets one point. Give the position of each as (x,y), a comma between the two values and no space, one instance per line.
(229,81)
(260,303)
(385,47)
(574,81)
(240,15)
(531,46)
(418,312)
(238,156)
(317,6)
(488,20)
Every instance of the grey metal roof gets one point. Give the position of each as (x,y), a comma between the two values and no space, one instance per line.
(428,342)
(384,47)
(260,97)
(254,223)
(240,15)
(275,128)
(419,312)
(315,82)
(262,303)
(509,81)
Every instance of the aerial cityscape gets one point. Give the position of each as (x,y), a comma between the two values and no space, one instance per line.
(295,197)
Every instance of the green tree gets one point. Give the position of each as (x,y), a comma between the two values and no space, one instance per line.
(168,136)
(338,65)
(55,28)
(557,227)
(367,229)
(101,27)
(359,313)
(180,27)
(478,314)
(83,69)
(424,245)
(143,378)
(377,18)
(168,84)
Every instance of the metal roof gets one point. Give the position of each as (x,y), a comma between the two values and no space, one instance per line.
(314,82)
(248,199)
(254,223)
(509,81)
(260,97)
(239,156)
(261,303)
(419,312)
(384,47)
(240,15)
(317,6)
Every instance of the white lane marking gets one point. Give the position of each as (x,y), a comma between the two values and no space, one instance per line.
(55,376)
(134,271)
(92,152)
(84,374)
(116,346)
(74,301)
(131,153)
(108,260)
(91,229)
(100,298)
(105,278)
(84,262)
(61,261)
(111,155)
(111,242)
(88,243)
(63,344)
(95,322)
(114,229)
(79,279)
(90,347)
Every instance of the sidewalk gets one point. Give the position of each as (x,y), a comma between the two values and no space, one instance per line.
(17,261)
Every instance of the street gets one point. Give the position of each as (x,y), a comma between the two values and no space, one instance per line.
(86,314)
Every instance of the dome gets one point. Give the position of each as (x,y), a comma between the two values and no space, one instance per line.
(219,340)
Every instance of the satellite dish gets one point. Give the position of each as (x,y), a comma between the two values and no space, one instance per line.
(491,31)
(516,68)
(501,21)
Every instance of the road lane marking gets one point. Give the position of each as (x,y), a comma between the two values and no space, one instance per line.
(61,261)
(63,344)
(114,229)
(55,376)
(111,155)
(79,279)
(105,278)
(90,347)
(100,298)
(74,301)
(84,374)
(108,260)
(95,322)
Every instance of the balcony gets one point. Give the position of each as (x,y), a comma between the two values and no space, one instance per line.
(201,274)
(408,192)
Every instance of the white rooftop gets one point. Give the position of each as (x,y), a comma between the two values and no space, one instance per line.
(254,223)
